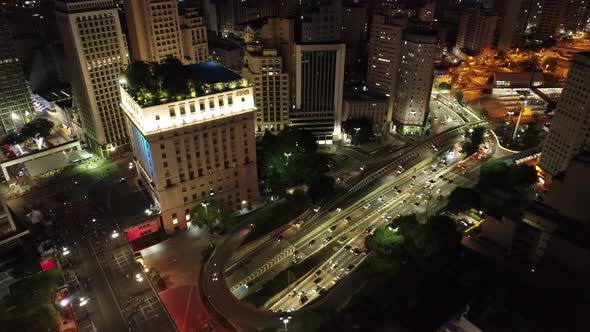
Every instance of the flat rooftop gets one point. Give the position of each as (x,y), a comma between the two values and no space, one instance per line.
(212,72)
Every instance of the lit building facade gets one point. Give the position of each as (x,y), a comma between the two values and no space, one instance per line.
(372,107)
(576,15)
(415,77)
(264,69)
(569,133)
(97,54)
(194,37)
(319,84)
(15,96)
(547,18)
(476,31)
(199,149)
(154,29)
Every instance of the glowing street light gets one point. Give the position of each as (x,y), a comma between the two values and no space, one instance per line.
(83,301)
(115,234)
(138,277)
(285,320)
(65,251)
(64,302)
(287,155)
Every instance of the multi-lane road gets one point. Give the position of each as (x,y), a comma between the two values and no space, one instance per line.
(340,224)
(416,194)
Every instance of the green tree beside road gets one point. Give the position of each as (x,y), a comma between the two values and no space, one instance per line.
(213,215)
(361,130)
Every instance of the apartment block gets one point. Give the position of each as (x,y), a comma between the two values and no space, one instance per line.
(263,68)
(194,36)
(153,29)
(476,31)
(415,82)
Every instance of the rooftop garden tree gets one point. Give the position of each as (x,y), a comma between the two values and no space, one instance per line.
(152,82)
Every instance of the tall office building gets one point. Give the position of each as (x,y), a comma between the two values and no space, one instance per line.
(512,26)
(263,68)
(197,149)
(194,36)
(569,134)
(576,15)
(385,45)
(319,83)
(548,17)
(230,13)
(384,54)
(153,29)
(355,34)
(15,96)
(415,81)
(476,31)
(320,21)
(96,52)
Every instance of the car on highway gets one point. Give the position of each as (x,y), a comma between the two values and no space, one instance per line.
(347,219)
(317,209)
(347,247)
(312,242)
(215,278)
(328,239)
(299,223)
(362,168)
(357,251)
(249,284)
(318,272)
(333,266)
(416,203)
(413,177)
(317,280)
(350,267)
(332,228)
(366,206)
(303,299)
(370,230)
(293,294)
(279,238)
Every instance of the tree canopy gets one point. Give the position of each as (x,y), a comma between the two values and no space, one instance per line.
(406,238)
(38,127)
(475,138)
(150,82)
(365,129)
(213,215)
(290,159)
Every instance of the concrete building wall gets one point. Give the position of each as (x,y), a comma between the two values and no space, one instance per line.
(569,133)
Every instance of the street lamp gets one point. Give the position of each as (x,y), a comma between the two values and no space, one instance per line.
(523,103)
(83,301)
(285,320)
(205,206)
(64,302)
(287,155)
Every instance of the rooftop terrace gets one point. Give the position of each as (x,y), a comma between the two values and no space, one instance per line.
(151,84)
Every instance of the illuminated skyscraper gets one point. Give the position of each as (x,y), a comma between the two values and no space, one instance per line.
(414,82)
(15,96)
(570,128)
(96,53)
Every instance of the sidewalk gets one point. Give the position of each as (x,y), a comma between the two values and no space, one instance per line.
(179,261)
